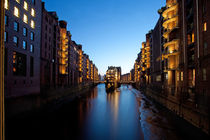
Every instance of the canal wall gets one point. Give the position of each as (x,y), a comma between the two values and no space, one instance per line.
(46,100)
(191,114)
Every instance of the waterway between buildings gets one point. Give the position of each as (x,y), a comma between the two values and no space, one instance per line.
(125,114)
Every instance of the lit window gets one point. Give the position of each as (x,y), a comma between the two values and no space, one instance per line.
(24,45)
(15,40)
(25,18)
(193,37)
(6,4)
(177,76)
(32,36)
(32,24)
(32,12)
(19,64)
(182,76)
(16,12)
(16,26)
(24,31)
(205,26)
(204,74)
(25,6)
(31,48)
(18,1)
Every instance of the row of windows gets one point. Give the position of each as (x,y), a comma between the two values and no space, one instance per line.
(16,28)
(25,17)
(25,4)
(16,42)
(32,1)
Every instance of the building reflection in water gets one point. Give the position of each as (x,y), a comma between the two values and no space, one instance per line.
(113,100)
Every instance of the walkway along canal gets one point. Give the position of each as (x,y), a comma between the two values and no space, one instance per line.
(125,114)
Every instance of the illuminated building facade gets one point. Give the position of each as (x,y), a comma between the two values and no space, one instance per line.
(175,60)
(80,63)
(91,70)
(22,47)
(143,64)
(137,69)
(113,74)
(147,57)
(63,53)
(171,45)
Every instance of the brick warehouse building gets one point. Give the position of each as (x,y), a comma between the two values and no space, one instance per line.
(22,47)
(179,58)
(50,41)
(74,60)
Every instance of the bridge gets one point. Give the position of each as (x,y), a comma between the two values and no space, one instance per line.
(121,82)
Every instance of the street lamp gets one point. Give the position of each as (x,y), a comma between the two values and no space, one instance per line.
(2,137)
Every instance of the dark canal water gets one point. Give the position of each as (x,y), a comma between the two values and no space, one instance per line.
(125,114)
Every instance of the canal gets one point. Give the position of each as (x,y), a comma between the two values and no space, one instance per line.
(125,114)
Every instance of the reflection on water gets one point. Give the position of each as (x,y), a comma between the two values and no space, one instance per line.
(111,115)
(124,114)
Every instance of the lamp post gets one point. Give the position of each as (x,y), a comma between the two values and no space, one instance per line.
(2,137)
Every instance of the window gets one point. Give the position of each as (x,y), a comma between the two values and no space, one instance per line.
(25,18)
(32,36)
(31,48)
(15,40)
(25,5)
(177,76)
(205,51)
(16,26)
(24,31)
(204,74)
(18,1)
(33,1)
(31,66)
(6,4)
(166,76)
(32,12)
(182,76)
(6,20)
(16,12)
(19,64)
(193,37)
(5,36)
(24,45)
(32,24)
(205,26)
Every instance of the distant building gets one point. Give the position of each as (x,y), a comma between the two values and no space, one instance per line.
(125,77)
(113,74)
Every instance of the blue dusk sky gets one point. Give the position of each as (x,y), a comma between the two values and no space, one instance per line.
(111,31)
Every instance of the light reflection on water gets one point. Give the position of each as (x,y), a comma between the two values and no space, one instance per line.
(124,114)
(111,115)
